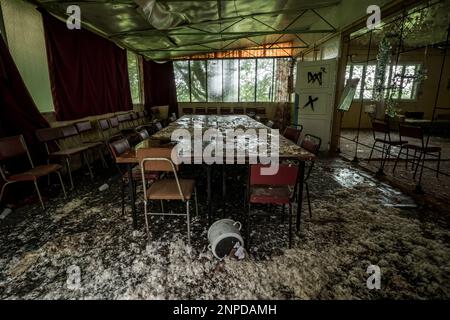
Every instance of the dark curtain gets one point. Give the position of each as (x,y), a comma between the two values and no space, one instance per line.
(18,112)
(159,85)
(89,74)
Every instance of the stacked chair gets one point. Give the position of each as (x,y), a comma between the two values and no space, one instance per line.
(15,147)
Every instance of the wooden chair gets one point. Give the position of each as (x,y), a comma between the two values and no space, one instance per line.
(188,111)
(226,111)
(251,112)
(103,129)
(143,133)
(382,135)
(14,147)
(200,111)
(119,146)
(124,121)
(168,189)
(51,137)
(420,147)
(293,134)
(238,111)
(279,189)
(211,111)
(85,128)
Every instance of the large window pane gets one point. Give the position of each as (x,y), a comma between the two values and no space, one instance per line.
(133,75)
(198,81)
(181,69)
(247,80)
(396,81)
(214,80)
(408,82)
(357,73)
(230,80)
(369,82)
(264,92)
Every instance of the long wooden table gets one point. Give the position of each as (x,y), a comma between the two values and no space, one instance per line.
(287,149)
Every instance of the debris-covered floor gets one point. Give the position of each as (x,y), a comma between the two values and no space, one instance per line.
(356,222)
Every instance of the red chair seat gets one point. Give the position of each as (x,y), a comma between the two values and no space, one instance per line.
(270,195)
(35,173)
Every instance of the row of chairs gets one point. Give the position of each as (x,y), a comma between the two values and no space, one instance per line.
(415,143)
(251,111)
(85,141)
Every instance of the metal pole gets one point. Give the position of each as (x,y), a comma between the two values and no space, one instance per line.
(363,85)
(436,100)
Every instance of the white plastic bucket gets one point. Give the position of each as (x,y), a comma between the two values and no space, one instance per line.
(223,236)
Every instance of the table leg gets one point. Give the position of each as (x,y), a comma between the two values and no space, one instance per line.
(300,194)
(133,201)
(224,189)
(208,192)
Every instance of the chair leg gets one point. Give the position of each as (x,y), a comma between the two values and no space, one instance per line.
(122,187)
(102,158)
(188,223)
(62,183)
(196,202)
(309,199)
(396,160)
(418,164)
(162,206)
(290,225)
(3,190)
(39,194)
(371,151)
(146,215)
(407,158)
(247,232)
(69,170)
(86,160)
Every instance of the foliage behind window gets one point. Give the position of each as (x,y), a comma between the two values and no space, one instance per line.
(133,74)
(231,80)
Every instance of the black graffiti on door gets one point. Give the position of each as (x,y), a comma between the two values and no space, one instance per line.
(313,77)
(310,102)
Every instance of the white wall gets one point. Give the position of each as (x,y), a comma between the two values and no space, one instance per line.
(26,42)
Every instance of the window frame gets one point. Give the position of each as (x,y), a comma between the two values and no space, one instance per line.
(271,97)
(403,65)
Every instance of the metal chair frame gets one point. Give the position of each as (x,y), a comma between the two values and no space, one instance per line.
(146,200)
(9,182)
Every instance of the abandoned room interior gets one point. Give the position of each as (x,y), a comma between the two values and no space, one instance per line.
(225,150)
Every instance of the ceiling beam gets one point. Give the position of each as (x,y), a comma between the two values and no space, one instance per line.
(233,19)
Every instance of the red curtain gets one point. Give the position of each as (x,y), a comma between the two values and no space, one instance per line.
(18,112)
(159,85)
(89,74)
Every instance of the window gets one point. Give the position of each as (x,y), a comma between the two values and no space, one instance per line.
(181,70)
(247,83)
(134,76)
(264,80)
(400,80)
(232,80)
(214,80)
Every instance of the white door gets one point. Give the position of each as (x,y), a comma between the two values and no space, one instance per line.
(315,87)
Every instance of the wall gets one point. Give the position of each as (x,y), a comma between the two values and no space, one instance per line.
(25,36)
(432,61)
